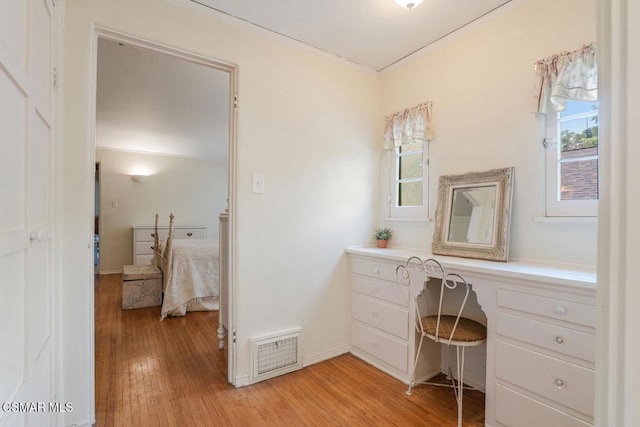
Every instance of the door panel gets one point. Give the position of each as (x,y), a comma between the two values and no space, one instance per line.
(26,187)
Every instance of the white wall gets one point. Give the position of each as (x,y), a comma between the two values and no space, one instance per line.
(194,190)
(480,81)
(310,123)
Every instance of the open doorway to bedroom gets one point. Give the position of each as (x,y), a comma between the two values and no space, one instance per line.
(164,138)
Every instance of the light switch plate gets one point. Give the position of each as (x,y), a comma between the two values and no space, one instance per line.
(257,180)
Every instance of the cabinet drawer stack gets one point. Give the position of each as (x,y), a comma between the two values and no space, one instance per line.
(380,317)
(143,238)
(545,354)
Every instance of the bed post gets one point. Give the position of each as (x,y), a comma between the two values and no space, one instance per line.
(168,254)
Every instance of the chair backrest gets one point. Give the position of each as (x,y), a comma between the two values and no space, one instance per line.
(415,268)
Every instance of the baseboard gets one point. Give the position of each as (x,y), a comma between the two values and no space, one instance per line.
(114,271)
(317,358)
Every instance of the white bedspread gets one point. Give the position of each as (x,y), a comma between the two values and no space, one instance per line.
(193,282)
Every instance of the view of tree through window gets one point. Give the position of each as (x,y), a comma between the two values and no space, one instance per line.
(578,151)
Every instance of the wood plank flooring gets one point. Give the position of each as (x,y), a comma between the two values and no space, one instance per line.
(171,373)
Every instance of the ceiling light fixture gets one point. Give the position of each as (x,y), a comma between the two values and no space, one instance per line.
(408,4)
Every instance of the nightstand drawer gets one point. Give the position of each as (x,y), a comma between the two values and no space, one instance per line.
(144,248)
(393,320)
(569,311)
(146,235)
(517,410)
(382,347)
(557,380)
(189,233)
(551,337)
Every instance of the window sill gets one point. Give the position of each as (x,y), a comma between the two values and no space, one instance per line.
(408,219)
(567,219)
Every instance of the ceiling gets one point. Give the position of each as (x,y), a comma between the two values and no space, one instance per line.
(156,103)
(151,102)
(372,33)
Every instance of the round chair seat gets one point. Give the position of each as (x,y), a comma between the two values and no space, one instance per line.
(468,331)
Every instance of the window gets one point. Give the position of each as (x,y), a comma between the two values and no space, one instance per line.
(408,198)
(572,160)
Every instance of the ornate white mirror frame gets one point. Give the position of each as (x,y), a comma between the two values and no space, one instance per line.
(490,218)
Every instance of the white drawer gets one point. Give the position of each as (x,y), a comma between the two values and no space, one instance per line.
(569,311)
(383,290)
(557,380)
(144,248)
(517,410)
(190,233)
(552,337)
(146,235)
(378,270)
(388,318)
(382,347)
(143,259)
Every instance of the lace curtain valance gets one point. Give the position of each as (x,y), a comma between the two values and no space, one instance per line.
(408,126)
(569,75)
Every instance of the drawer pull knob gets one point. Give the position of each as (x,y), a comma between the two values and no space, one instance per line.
(559,340)
(561,310)
(376,271)
(189,234)
(376,290)
(153,234)
(560,383)
(374,346)
(374,314)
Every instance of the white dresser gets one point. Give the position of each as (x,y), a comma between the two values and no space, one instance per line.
(541,334)
(143,238)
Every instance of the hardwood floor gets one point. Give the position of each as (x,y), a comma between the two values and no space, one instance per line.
(171,373)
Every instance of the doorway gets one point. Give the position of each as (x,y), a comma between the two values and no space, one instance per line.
(165,87)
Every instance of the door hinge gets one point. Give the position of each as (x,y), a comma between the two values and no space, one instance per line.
(55,79)
(234,339)
(235,103)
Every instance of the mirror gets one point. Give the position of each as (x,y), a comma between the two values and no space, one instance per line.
(473,215)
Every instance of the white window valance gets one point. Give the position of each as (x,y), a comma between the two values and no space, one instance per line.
(408,126)
(566,76)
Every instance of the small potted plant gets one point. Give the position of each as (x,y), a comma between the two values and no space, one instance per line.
(382,235)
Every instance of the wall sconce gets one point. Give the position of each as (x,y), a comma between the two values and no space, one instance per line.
(409,4)
(139,178)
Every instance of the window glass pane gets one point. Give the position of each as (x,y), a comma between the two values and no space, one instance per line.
(578,107)
(577,133)
(579,180)
(410,193)
(410,166)
(411,147)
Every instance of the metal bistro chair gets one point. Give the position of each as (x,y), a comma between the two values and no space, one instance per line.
(452,330)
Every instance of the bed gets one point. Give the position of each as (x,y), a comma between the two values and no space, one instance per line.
(190,273)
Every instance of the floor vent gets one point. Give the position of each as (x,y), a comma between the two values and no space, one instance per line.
(276,354)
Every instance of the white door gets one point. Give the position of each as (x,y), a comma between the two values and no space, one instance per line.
(26,230)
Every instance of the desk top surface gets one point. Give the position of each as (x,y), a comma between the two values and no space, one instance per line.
(580,276)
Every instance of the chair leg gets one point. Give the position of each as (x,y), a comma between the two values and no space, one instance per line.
(413,372)
(460,388)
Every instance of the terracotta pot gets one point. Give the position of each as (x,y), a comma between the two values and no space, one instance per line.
(382,243)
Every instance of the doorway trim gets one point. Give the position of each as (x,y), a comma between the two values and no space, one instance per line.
(98,32)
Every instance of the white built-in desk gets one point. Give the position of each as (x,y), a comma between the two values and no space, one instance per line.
(540,350)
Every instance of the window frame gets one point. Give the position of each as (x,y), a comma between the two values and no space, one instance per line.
(554,206)
(408,212)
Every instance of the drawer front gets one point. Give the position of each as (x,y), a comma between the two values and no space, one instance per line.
(552,337)
(146,235)
(378,270)
(559,381)
(190,233)
(570,311)
(143,259)
(382,347)
(144,248)
(386,291)
(388,318)
(517,410)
